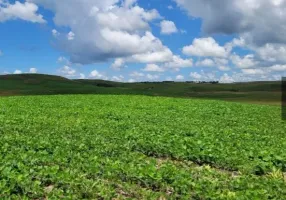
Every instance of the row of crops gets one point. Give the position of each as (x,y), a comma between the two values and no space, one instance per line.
(136,147)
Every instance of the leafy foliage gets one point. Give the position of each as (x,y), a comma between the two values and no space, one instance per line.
(136,147)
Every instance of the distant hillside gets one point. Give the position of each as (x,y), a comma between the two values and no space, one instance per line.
(41,84)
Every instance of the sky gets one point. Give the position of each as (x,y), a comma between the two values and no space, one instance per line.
(145,40)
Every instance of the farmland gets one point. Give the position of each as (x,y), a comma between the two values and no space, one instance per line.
(268,92)
(140,147)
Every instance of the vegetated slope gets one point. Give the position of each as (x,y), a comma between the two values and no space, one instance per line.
(138,147)
(32,84)
(37,84)
(254,92)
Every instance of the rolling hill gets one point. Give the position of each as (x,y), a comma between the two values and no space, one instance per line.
(42,84)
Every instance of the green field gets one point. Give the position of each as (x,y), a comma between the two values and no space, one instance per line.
(268,93)
(140,147)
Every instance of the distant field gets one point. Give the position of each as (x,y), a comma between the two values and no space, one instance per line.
(38,84)
(139,147)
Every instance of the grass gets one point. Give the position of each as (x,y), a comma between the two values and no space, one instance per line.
(140,147)
(40,84)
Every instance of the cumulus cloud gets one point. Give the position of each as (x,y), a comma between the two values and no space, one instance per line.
(128,3)
(131,80)
(244,62)
(253,71)
(33,70)
(177,62)
(82,76)
(221,61)
(118,64)
(97,75)
(169,78)
(64,60)
(119,78)
(258,21)
(278,68)
(158,55)
(180,77)
(206,63)
(152,77)
(104,30)
(67,71)
(203,76)
(136,74)
(168,27)
(153,68)
(17,71)
(223,68)
(70,35)
(25,11)
(55,33)
(225,78)
(272,52)
(204,47)
(195,75)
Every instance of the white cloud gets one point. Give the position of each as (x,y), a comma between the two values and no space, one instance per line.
(106,30)
(221,61)
(203,76)
(253,71)
(238,42)
(118,64)
(1,53)
(33,70)
(168,27)
(177,62)
(206,63)
(97,75)
(63,60)
(131,80)
(119,78)
(70,35)
(128,3)
(25,11)
(55,33)
(261,74)
(205,47)
(67,71)
(257,21)
(225,78)
(272,52)
(153,68)
(136,74)
(169,78)
(160,53)
(278,68)
(183,31)
(152,77)
(180,77)
(244,62)
(17,71)
(195,75)
(82,76)
(223,68)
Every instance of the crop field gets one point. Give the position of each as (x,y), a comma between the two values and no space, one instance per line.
(139,147)
(267,93)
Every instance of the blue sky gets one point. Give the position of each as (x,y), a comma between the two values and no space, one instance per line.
(140,40)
